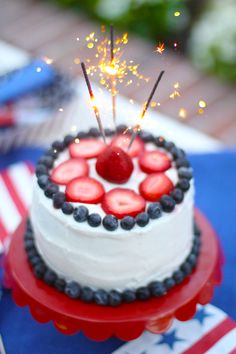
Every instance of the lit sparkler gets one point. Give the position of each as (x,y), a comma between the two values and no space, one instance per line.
(92,98)
(137,127)
(109,64)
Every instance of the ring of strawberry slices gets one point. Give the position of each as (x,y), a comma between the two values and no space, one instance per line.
(70,182)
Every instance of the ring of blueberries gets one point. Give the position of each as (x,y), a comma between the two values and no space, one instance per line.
(110,222)
(109,298)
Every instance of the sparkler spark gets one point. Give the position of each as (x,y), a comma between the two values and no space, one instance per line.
(183,113)
(160,48)
(175,93)
(177,13)
(202,104)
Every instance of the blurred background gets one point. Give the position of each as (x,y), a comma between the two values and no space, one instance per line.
(194,41)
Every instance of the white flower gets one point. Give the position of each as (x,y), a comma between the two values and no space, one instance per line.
(214,35)
(112,9)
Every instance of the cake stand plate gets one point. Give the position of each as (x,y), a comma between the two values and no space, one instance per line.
(127,321)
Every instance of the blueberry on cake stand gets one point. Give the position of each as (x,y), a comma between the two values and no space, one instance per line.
(127,321)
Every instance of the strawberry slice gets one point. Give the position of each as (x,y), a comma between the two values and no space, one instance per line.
(122,141)
(154,186)
(121,202)
(87,148)
(114,165)
(154,161)
(68,170)
(84,190)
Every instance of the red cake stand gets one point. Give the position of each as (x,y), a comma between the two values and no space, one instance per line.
(127,321)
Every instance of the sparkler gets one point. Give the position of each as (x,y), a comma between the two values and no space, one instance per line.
(92,98)
(137,127)
(113,77)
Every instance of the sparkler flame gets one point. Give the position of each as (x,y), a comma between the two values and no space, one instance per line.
(160,48)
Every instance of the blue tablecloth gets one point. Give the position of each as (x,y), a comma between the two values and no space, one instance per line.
(215,177)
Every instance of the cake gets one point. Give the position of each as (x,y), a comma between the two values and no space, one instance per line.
(110,224)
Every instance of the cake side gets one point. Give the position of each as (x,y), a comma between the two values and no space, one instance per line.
(101,259)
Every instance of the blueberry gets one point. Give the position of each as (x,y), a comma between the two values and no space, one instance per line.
(39,270)
(67,208)
(192,259)
(184,172)
(177,153)
(178,276)
(58,200)
(129,296)
(127,223)
(50,277)
(186,268)
(50,190)
(81,213)
(68,139)
(146,136)
(73,290)
(142,219)
(196,249)
(41,170)
(35,261)
(154,210)
(47,161)
(82,135)
(157,288)
(159,141)
(110,222)
(58,145)
(169,145)
(101,297)
(197,241)
(196,229)
(52,152)
(60,284)
(94,220)
(29,245)
(183,184)
(114,298)
(121,128)
(167,203)
(109,132)
(143,293)
(28,236)
(182,162)
(43,181)
(86,294)
(31,254)
(178,195)
(94,132)
(169,283)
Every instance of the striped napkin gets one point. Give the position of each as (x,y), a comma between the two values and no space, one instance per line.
(15,197)
(211,331)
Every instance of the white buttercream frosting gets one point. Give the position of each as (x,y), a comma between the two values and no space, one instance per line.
(112,260)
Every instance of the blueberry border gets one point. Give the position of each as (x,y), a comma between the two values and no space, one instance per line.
(110,222)
(109,298)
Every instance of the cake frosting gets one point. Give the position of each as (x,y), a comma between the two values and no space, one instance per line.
(101,259)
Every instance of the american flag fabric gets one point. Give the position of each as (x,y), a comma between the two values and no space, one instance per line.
(15,197)
(211,331)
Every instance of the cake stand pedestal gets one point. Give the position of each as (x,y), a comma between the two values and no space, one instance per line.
(127,321)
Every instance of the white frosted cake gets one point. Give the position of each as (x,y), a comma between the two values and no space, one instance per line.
(111,224)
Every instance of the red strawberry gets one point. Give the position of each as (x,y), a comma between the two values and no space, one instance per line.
(122,141)
(154,186)
(154,161)
(121,202)
(68,170)
(84,190)
(114,165)
(87,148)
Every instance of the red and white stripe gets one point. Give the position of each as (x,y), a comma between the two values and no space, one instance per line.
(217,335)
(15,197)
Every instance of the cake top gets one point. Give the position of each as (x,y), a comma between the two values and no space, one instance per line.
(111,184)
